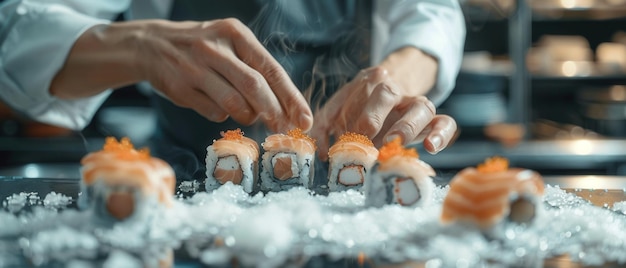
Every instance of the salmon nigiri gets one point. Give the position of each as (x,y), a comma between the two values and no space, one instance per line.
(399,177)
(288,161)
(350,158)
(119,180)
(485,195)
(232,158)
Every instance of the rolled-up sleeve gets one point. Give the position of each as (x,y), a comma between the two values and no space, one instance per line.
(436,27)
(35,40)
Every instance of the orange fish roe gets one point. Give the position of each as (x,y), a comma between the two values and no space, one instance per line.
(236,134)
(298,134)
(394,148)
(355,137)
(124,149)
(494,164)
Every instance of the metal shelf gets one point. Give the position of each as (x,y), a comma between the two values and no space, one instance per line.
(545,10)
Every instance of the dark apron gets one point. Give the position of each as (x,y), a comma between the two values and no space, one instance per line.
(332,35)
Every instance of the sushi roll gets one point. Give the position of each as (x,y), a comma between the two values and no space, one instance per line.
(492,192)
(349,161)
(119,182)
(233,158)
(288,161)
(399,177)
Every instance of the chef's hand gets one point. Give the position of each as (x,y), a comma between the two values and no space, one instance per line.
(217,68)
(387,101)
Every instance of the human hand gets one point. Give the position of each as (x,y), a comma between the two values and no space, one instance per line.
(387,101)
(217,68)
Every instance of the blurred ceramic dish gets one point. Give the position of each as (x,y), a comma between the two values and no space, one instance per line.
(611,57)
(561,55)
(483,63)
(604,109)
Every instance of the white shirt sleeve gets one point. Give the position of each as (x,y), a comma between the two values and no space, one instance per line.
(436,27)
(35,39)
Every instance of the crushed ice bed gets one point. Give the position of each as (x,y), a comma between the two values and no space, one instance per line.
(289,227)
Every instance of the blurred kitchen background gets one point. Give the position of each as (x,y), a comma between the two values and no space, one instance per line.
(542,83)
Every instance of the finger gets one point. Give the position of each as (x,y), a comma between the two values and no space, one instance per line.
(376,110)
(199,102)
(420,138)
(332,111)
(443,129)
(415,118)
(344,107)
(252,52)
(291,100)
(334,118)
(251,85)
(227,98)
(328,120)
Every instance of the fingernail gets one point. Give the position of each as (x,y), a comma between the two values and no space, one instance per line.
(391,137)
(305,122)
(436,142)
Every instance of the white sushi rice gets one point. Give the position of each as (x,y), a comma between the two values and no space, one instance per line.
(302,166)
(248,166)
(282,228)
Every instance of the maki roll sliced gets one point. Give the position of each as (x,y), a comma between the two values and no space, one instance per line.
(119,182)
(233,158)
(492,193)
(399,177)
(350,158)
(288,161)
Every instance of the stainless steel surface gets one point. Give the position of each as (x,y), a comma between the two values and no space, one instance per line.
(588,182)
(562,154)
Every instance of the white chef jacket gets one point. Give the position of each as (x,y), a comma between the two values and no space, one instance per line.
(37,35)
